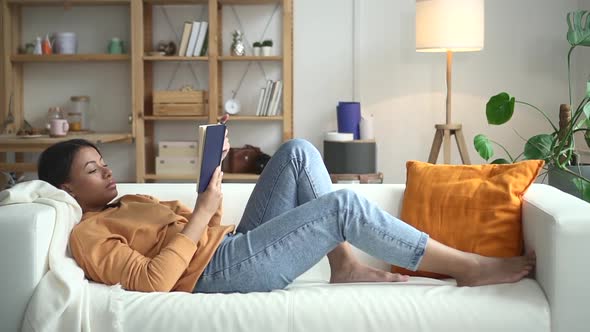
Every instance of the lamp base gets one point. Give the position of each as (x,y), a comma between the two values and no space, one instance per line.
(443,134)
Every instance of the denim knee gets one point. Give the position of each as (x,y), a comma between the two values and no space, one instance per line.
(346,198)
(299,147)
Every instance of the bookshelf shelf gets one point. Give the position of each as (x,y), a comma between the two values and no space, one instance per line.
(21,58)
(232,177)
(249,58)
(69,2)
(175,118)
(174,58)
(240,177)
(234,118)
(176,2)
(246,2)
(12,142)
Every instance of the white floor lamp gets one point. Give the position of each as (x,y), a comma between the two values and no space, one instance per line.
(449,26)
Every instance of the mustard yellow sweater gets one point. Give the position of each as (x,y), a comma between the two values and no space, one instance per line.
(138,244)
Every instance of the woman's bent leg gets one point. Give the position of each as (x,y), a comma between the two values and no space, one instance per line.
(273,254)
(295,175)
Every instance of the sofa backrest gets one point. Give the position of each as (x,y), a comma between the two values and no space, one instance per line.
(235,195)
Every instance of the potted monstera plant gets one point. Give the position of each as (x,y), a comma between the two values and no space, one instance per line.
(557,146)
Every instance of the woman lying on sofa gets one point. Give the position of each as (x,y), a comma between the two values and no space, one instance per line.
(292,219)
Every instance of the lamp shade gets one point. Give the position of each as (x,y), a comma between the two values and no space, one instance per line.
(449,25)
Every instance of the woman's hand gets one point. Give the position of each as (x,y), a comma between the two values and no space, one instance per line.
(208,201)
(207,204)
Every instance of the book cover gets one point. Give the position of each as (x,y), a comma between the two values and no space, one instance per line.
(211,138)
(267,94)
(200,39)
(184,38)
(260,102)
(275,99)
(205,47)
(192,41)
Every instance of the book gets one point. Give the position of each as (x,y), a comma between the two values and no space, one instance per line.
(200,39)
(260,102)
(275,99)
(192,41)
(267,93)
(205,47)
(186,31)
(211,138)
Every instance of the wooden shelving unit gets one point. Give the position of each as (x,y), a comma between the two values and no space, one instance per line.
(142,78)
(144,72)
(20,58)
(174,58)
(249,58)
(12,83)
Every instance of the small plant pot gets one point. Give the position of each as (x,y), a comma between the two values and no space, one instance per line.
(257,51)
(266,50)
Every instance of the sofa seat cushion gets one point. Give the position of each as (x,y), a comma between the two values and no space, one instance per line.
(421,304)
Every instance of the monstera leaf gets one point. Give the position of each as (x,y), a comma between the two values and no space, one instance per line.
(539,147)
(483,146)
(578,32)
(500,108)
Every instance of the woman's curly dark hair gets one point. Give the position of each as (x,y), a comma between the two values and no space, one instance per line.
(55,162)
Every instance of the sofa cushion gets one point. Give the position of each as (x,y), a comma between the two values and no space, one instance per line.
(418,305)
(473,208)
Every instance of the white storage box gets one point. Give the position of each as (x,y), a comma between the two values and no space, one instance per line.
(176,166)
(186,149)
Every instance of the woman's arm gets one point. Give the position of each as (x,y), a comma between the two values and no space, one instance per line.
(206,206)
(107,258)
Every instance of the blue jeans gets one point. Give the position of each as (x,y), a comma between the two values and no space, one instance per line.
(293,219)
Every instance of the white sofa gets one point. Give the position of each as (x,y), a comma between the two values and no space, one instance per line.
(556,226)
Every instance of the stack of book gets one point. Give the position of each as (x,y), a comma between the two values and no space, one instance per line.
(269,101)
(194,39)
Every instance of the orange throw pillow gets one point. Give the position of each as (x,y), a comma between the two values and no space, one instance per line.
(473,208)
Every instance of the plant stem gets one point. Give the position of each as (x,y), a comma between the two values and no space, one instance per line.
(503,148)
(569,74)
(539,110)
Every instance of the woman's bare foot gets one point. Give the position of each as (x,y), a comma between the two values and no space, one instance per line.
(489,270)
(356,272)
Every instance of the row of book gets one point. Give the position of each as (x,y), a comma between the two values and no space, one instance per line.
(269,100)
(194,39)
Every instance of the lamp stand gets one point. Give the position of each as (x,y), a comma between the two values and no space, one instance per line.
(445,131)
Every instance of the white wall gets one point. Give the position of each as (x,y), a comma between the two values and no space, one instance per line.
(524,54)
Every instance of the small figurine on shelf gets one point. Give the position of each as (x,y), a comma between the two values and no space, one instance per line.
(237,46)
(257,46)
(38,50)
(46,46)
(169,48)
(267,47)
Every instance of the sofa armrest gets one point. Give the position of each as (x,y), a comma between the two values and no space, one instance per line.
(557,226)
(25,234)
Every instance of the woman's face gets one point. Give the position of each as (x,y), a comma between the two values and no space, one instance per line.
(91,181)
